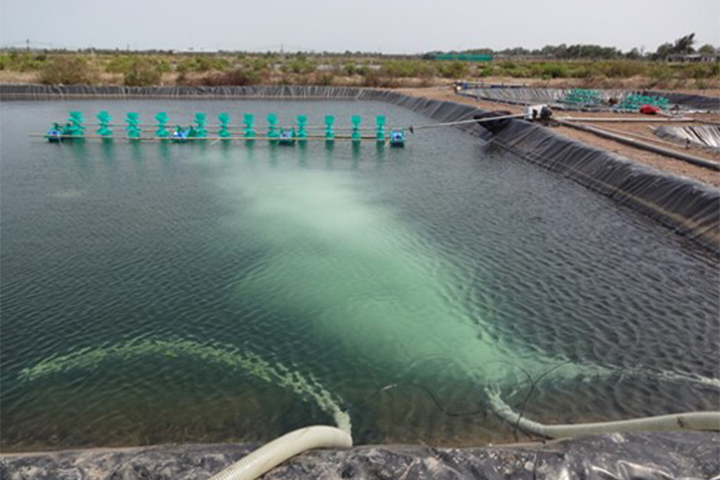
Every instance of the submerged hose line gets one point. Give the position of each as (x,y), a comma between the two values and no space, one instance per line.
(283,448)
(679,421)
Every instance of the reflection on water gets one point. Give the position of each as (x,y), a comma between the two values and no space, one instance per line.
(161,292)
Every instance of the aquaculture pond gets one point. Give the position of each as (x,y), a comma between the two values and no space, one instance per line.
(207,292)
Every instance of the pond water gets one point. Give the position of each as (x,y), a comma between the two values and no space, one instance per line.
(207,293)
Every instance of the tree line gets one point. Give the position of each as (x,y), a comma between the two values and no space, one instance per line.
(683,45)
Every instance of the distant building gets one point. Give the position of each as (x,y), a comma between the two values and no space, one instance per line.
(693,57)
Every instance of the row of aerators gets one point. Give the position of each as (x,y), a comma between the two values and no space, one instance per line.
(75,129)
(634,102)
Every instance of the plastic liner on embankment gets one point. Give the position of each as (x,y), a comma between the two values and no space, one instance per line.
(619,456)
(705,136)
(688,207)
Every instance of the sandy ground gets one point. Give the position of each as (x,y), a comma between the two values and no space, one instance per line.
(639,131)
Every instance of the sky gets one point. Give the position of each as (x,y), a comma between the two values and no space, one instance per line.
(388,26)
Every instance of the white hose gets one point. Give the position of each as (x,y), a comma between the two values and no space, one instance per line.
(274,453)
(679,421)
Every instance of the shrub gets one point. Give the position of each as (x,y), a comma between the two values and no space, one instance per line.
(377,79)
(660,75)
(350,68)
(524,71)
(119,64)
(29,63)
(485,71)
(202,64)
(294,79)
(68,70)
(581,71)
(325,79)
(299,65)
(163,66)
(205,64)
(553,70)
(185,66)
(455,69)
(142,73)
(232,78)
(701,71)
(22,62)
(362,70)
(259,64)
(408,68)
(620,69)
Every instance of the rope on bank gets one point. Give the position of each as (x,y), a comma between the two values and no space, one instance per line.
(461,122)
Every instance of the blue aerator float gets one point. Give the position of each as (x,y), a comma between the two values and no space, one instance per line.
(181,135)
(397,138)
(55,134)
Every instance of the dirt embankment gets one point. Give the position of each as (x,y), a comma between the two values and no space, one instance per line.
(638,131)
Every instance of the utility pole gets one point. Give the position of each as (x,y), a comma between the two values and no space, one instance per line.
(27,45)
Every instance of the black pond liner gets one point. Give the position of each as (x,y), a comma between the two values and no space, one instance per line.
(688,207)
(629,456)
(697,102)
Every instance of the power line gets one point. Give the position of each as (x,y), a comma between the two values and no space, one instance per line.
(36,45)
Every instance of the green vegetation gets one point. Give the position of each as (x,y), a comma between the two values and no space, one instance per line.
(408,69)
(68,70)
(235,77)
(23,62)
(299,64)
(576,65)
(683,45)
(203,64)
(142,72)
(455,69)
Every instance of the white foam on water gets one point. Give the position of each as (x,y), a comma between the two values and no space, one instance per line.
(362,280)
(368,282)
